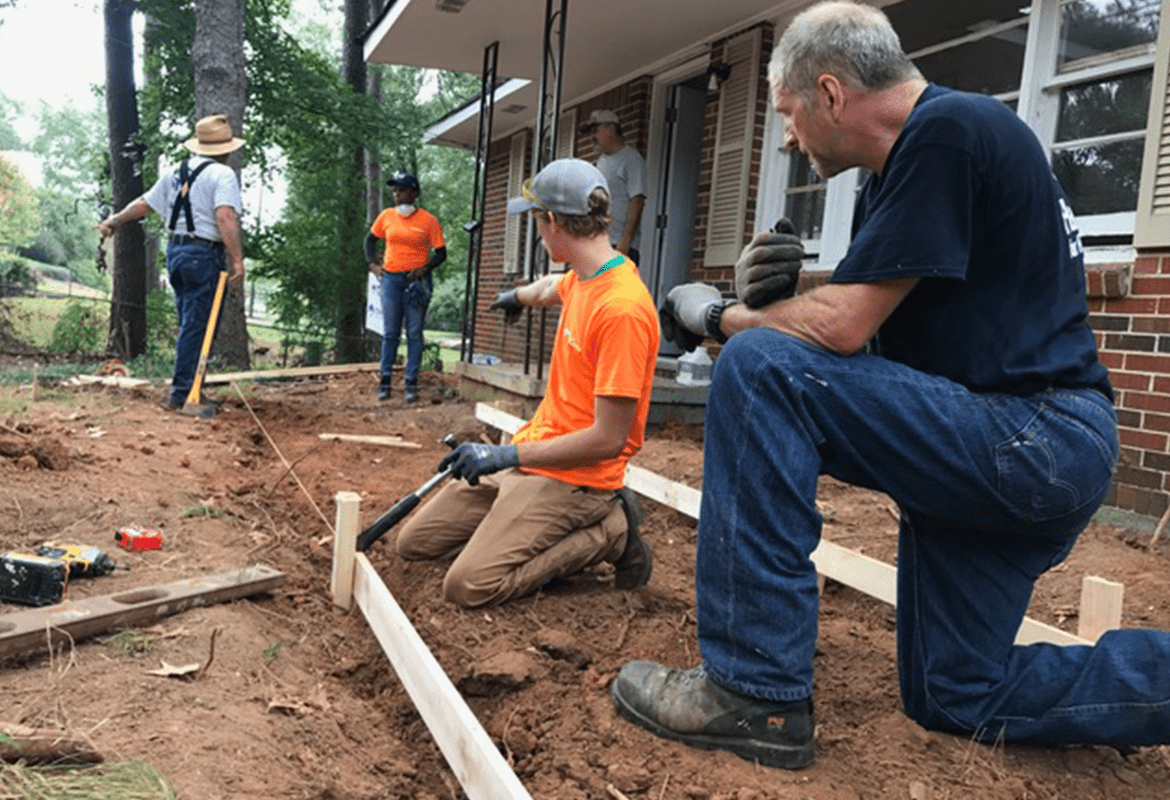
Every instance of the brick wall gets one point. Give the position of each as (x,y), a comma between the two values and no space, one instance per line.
(1129,310)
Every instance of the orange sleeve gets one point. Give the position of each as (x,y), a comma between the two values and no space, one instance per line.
(437,240)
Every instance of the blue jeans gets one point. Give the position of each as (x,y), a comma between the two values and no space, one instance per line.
(193,270)
(993,489)
(404,300)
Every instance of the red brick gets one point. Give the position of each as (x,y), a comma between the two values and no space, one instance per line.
(1148,402)
(1146,441)
(1111,360)
(1156,422)
(1147,286)
(1147,265)
(1130,380)
(1150,324)
(1126,495)
(1161,384)
(1140,362)
(1131,305)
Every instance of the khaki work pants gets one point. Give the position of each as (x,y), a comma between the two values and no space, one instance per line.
(513,533)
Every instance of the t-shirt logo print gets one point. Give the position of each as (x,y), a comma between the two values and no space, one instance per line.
(570,341)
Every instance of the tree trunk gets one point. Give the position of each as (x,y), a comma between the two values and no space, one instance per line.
(373,342)
(221,86)
(127,336)
(373,162)
(351,264)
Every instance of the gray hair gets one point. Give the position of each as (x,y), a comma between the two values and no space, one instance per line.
(854,42)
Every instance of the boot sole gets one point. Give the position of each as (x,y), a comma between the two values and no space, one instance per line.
(769,755)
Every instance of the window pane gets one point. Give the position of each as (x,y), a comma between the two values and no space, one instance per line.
(804,201)
(922,23)
(991,65)
(1099,109)
(806,211)
(1101,179)
(1091,28)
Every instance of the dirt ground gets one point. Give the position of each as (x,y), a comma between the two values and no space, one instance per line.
(299,700)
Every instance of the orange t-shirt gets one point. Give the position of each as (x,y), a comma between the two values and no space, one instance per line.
(409,240)
(606,346)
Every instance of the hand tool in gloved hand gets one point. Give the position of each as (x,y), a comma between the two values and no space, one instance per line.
(769,267)
(512,306)
(471,460)
(195,405)
(690,313)
(404,506)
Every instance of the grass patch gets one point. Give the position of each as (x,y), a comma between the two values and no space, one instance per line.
(132,642)
(127,780)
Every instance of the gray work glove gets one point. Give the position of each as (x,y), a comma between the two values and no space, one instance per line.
(683,317)
(769,266)
(511,305)
(470,460)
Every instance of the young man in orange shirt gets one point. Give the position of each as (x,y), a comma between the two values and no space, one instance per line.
(551,503)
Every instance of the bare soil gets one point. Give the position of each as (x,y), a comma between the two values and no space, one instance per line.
(299,700)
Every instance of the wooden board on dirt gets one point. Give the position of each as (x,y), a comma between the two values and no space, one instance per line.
(25,631)
(388,441)
(295,372)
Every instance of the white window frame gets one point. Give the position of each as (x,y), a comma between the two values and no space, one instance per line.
(1038,104)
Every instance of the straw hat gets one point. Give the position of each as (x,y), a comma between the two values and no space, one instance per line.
(213,137)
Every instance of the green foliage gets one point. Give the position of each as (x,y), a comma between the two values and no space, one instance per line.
(15,277)
(445,313)
(271,652)
(132,642)
(19,217)
(79,330)
(9,110)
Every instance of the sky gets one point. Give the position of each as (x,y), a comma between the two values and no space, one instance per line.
(52,52)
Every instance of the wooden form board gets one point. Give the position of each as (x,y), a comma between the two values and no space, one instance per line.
(295,372)
(25,631)
(469,751)
(387,441)
(856,570)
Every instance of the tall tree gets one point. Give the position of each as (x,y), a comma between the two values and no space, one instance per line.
(127,337)
(221,87)
(373,162)
(351,264)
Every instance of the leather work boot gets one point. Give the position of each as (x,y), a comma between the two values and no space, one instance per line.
(384,388)
(633,567)
(411,392)
(687,706)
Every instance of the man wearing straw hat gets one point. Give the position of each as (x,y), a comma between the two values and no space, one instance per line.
(200,199)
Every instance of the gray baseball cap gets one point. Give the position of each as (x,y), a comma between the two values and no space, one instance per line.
(563,187)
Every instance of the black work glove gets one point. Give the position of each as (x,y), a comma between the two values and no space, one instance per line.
(769,266)
(470,460)
(683,317)
(511,305)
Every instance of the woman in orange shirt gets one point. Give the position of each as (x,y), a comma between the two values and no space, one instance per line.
(414,248)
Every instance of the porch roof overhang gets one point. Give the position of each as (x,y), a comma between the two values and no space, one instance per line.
(607,43)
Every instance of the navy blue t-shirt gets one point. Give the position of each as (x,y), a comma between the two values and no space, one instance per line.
(968,203)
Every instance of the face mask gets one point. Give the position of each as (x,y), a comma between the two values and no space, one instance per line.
(405,210)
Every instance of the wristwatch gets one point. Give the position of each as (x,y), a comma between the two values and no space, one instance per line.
(714,320)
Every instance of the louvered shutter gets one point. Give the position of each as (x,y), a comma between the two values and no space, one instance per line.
(733,151)
(1152,227)
(516,174)
(567,134)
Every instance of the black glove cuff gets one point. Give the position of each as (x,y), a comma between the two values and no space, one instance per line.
(714,320)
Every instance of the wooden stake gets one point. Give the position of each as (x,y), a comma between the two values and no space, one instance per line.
(344,546)
(1161,526)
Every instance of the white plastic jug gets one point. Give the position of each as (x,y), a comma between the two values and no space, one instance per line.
(694,368)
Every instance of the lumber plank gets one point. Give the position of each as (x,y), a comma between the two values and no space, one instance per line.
(31,630)
(388,441)
(1101,602)
(344,546)
(293,372)
(475,761)
(849,567)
